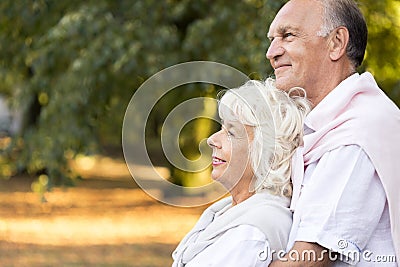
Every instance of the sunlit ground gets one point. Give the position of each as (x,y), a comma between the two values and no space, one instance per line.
(104,221)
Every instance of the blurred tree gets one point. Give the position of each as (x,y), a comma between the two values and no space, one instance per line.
(72,66)
(383,50)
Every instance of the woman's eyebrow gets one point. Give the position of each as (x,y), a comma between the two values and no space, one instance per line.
(230,125)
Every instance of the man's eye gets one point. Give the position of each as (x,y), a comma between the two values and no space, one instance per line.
(288,34)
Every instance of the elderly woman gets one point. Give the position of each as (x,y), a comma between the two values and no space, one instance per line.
(261,128)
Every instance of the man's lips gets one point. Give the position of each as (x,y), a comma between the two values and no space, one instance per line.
(217,161)
(282,66)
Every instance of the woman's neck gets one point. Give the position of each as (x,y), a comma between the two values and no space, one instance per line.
(240,193)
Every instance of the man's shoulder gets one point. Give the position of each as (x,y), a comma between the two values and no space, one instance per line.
(373,106)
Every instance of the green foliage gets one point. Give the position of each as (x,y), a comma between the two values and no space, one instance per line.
(383,52)
(72,66)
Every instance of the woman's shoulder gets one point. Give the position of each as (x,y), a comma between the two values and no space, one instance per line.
(266,210)
(246,232)
(264,202)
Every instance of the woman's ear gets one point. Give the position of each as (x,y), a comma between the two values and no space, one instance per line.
(338,43)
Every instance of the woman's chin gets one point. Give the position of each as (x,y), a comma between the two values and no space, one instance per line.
(219,178)
(224,181)
(215,177)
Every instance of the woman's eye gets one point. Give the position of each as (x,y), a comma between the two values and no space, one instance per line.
(227,132)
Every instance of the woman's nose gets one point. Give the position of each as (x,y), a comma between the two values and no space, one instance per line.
(212,141)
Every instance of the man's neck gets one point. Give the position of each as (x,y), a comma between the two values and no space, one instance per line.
(323,89)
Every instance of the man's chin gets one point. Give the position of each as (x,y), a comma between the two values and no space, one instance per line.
(283,84)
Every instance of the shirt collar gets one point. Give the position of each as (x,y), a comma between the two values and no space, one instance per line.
(326,110)
(307,129)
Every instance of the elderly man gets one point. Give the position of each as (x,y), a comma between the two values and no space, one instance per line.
(345,205)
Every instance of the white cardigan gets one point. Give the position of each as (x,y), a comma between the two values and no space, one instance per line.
(264,212)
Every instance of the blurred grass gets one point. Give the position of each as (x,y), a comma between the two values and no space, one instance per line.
(106,220)
(145,255)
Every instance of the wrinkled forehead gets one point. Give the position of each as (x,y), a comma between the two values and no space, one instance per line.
(304,15)
(235,107)
(238,129)
(228,113)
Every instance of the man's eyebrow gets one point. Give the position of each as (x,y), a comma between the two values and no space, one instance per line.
(286,28)
(282,30)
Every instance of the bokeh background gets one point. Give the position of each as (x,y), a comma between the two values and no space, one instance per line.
(67,72)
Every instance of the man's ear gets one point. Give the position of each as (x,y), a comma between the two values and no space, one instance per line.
(338,43)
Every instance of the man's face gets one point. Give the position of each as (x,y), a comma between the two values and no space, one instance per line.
(297,54)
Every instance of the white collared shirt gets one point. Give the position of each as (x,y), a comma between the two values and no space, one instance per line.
(238,247)
(343,207)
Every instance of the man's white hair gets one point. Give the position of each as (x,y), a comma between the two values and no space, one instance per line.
(346,13)
(330,19)
(277,120)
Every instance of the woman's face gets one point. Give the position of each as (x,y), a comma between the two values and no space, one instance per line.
(230,157)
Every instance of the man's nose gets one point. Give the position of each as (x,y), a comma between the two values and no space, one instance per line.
(274,50)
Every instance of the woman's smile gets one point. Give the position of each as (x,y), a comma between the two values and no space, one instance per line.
(217,161)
